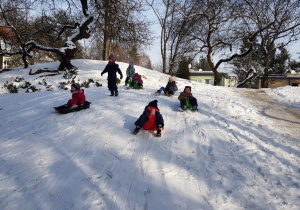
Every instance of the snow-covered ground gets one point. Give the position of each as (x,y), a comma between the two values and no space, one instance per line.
(229,155)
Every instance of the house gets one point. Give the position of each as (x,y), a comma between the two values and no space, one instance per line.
(7,35)
(275,81)
(3,62)
(208,77)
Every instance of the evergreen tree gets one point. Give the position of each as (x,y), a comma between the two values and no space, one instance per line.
(280,61)
(203,65)
(184,71)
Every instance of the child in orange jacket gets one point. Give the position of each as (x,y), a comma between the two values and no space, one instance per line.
(151,119)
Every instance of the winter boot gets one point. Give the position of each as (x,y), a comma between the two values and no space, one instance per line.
(116,93)
(183,107)
(157,93)
(136,130)
(194,108)
(111,93)
(158,134)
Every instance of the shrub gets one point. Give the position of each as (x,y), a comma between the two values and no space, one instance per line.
(68,74)
(11,87)
(62,85)
(98,84)
(32,89)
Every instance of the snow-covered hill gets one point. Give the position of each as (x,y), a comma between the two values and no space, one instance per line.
(229,155)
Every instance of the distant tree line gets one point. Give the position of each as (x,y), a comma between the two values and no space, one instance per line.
(252,35)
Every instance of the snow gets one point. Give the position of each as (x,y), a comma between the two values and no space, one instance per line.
(235,153)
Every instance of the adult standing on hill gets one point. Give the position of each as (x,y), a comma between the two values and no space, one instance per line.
(112,68)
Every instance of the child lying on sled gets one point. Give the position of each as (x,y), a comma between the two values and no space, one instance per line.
(151,119)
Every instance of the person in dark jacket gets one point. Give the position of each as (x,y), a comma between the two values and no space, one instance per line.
(78,97)
(151,119)
(187,95)
(112,68)
(170,88)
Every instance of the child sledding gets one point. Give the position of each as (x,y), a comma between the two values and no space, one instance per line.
(129,73)
(112,68)
(77,102)
(187,100)
(136,82)
(151,119)
(170,88)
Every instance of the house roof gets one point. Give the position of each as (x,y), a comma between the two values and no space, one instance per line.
(281,76)
(207,73)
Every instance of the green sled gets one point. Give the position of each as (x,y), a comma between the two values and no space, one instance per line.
(135,86)
(188,105)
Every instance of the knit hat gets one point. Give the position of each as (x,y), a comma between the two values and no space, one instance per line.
(153,104)
(136,75)
(76,86)
(188,87)
(171,78)
(111,57)
(131,63)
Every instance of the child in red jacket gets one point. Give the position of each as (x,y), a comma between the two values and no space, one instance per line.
(78,97)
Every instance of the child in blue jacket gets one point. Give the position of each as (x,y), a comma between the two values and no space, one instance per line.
(129,72)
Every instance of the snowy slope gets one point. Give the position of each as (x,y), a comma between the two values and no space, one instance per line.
(229,155)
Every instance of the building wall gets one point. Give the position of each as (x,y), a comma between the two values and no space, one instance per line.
(280,82)
(203,79)
(3,62)
(210,80)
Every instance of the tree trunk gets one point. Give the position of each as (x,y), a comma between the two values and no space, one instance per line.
(217,80)
(65,59)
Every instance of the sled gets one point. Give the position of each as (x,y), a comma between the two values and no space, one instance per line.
(188,107)
(135,86)
(64,109)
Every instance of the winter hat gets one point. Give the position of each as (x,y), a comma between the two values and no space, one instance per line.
(136,75)
(111,57)
(153,104)
(171,78)
(76,86)
(131,63)
(188,87)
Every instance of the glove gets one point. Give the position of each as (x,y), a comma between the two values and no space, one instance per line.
(74,106)
(121,77)
(101,74)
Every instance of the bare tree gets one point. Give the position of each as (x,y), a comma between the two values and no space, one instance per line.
(225,24)
(166,17)
(120,23)
(181,43)
(27,44)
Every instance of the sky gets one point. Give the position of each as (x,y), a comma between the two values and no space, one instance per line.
(239,151)
(154,50)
